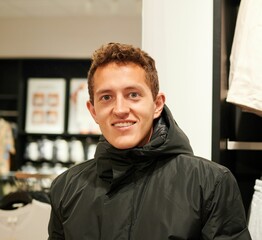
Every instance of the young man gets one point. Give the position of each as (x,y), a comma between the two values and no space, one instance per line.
(144,183)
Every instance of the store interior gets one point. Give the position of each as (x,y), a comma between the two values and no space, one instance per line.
(46,52)
(54,42)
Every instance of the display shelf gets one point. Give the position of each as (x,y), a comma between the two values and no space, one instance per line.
(14,76)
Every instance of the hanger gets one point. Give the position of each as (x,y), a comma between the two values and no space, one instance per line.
(15,200)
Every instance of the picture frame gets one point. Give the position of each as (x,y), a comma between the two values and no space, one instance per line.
(80,120)
(45,105)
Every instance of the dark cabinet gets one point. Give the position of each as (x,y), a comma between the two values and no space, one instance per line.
(14,75)
(233,129)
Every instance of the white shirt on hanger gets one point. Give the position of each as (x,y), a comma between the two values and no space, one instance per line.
(245,76)
(29,222)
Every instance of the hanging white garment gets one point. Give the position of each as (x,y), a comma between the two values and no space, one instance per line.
(29,222)
(245,75)
(255,217)
(7,146)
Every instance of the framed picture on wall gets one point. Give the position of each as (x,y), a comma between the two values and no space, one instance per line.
(80,120)
(45,105)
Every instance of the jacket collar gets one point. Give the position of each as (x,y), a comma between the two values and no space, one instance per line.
(115,165)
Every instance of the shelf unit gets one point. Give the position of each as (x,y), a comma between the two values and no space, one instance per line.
(236,135)
(14,75)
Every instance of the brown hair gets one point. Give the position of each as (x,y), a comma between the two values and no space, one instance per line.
(123,53)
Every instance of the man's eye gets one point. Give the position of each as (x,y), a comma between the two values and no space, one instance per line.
(105,97)
(133,95)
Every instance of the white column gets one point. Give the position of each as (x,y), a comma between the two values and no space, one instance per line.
(179,35)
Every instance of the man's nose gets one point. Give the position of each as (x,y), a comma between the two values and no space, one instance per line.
(121,107)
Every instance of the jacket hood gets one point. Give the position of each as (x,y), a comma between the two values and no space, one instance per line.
(168,140)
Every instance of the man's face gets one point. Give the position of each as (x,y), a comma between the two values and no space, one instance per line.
(123,105)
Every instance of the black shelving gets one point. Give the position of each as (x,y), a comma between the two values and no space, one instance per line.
(14,75)
(230,123)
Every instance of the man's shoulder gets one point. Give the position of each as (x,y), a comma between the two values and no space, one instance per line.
(200,172)
(193,161)
(202,168)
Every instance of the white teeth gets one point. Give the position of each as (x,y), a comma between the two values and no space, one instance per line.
(123,124)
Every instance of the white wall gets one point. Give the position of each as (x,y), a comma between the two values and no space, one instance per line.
(179,35)
(73,37)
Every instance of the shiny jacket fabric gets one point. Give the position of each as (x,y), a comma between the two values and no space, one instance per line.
(156,192)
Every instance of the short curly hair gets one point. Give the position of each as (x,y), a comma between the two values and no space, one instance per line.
(121,54)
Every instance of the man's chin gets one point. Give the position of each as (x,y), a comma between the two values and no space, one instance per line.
(124,144)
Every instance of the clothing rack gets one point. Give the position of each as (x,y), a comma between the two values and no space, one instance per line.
(34,181)
(23,181)
(24,175)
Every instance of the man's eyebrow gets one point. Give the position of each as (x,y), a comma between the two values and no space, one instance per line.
(128,88)
(103,91)
(132,88)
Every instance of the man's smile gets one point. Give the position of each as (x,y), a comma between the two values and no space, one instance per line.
(123,124)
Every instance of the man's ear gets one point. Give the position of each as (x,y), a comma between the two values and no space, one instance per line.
(159,104)
(91,109)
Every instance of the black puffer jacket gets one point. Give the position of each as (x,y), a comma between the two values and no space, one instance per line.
(156,192)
